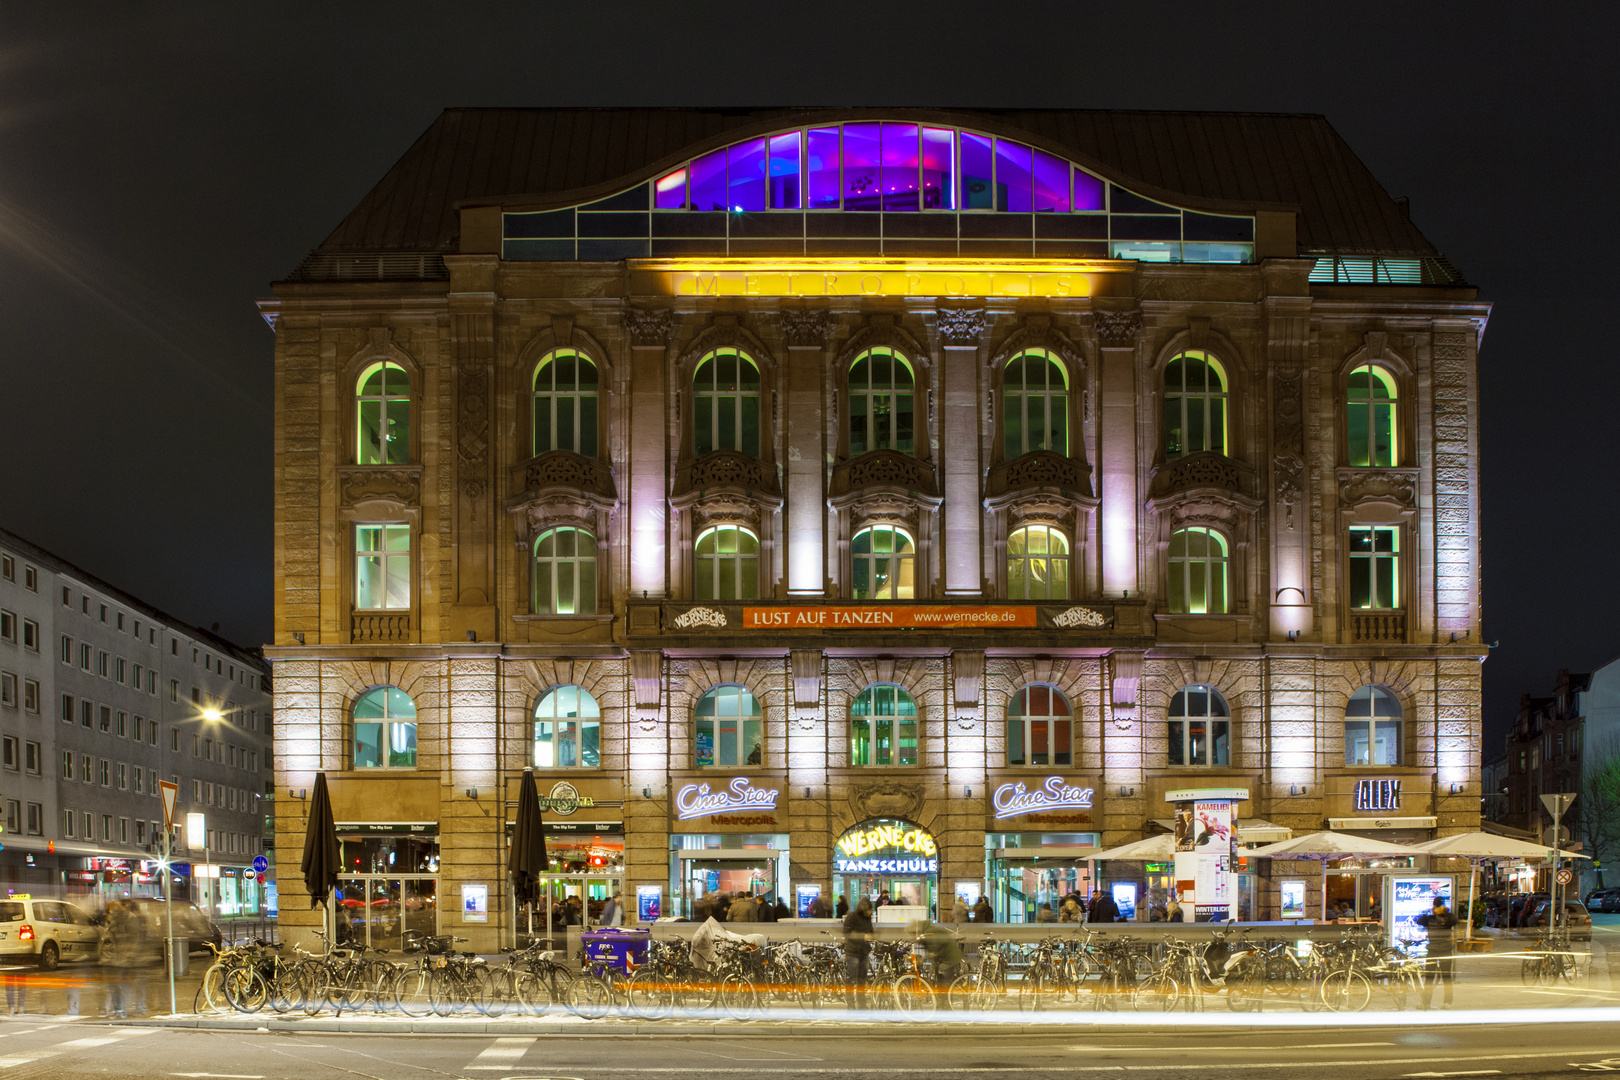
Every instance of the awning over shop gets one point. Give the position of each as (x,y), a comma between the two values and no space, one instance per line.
(1357,824)
(1249,830)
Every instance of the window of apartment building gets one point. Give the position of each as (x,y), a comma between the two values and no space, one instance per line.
(120,620)
(30,634)
(106,827)
(8,626)
(67,708)
(151,682)
(69,824)
(13,815)
(84,605)
(726,564)
(1200,727)
(123,776)
(383,416)
(1369,421)
(30,579)
(106,773)
(140,780)
(382,567)
(882,564)
(67,649)
(208,749)
(1034,404)
(106,719)
(87,713)
(1195,405)
(10,756)
(564,403)
(103,612)
(67,597)
(140,726)
(727,728)
(883,727)
(8,690)
(140,833)
(36,819)
(1372,727)
(152,733)
(725,403)
(123,830)
(174,689)
(123,670)
(67,764)
(87,769)
(567,729)
(1375,566)
(564,572)
(87,820)
(84,657)
(31,695)
(196,744)
(385,729)
(33,758)
(1198,572)
(1037,564)
(882,403)
(196,791)
(174,740)
(101,663)
(123,725)
(8,568)
(1039,727)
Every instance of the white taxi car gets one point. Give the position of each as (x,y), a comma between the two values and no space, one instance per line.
(50,931)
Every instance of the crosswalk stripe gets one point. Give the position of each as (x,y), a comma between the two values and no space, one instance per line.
(26,1059)
(502,1053)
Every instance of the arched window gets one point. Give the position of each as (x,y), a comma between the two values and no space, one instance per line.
(385,729)
(565,572)
(883,561)
(1200,727)
(1035,404)
(1372,727)
(881,395)
(1037,564)
(883,727)
(1369,420)
(564,403)
(727,730)
(727,564)
(567,729)
(1194,405)
(383,416)
(1198,565)
(725,403)
(1038,727)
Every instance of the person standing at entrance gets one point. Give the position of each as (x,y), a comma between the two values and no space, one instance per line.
(743,909)
(1103,908)
(858,950)
(982,912)
(1440,967)
(842,909)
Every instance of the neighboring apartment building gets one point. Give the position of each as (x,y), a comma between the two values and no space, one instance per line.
(1544,752)
(874,501)
(102,696)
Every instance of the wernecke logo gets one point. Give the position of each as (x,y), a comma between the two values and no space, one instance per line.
(697,800)
(893,838)
(1011,800)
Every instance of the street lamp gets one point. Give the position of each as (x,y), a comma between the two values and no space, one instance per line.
(197,837)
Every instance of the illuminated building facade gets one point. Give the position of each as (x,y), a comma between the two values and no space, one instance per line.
(861,499)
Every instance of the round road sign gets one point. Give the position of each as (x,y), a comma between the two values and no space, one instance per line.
(260,863)
(1564,877)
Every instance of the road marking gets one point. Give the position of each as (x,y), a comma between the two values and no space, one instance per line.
(100,1040)
(503,1053)
(1090,1049)
(221,1076)
(1469,1072)
(26,1059)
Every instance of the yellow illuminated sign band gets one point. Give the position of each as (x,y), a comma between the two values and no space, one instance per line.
(886,840)
(817,278)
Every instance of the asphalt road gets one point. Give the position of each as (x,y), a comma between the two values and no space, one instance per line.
(83,1049)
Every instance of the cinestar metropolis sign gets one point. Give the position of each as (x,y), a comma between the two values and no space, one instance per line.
(697,800)
(1015,800)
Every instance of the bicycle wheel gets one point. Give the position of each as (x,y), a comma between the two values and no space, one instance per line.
(244,990)
(1244,990)
(1158,993)
(482,993)
(413,991)
(1035,990)
(738,998)
(211,994)
(914,996)
(590,997)
(1530,970)
(965,994)
(317,985)
(649,995)
(1346,991)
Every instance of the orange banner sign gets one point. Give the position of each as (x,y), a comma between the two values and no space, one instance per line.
(886,617)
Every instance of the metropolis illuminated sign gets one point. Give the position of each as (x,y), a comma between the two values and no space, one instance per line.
(822,277)
(886,847)
(699,800)
(1015,800)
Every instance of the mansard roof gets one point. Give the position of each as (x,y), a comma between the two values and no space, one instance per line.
(1231,162)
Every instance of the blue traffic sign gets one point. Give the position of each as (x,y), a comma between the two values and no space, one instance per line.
(260,864)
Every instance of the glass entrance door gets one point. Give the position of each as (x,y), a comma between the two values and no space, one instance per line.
(706,879)
(381,912)
(913,891)
(572,900)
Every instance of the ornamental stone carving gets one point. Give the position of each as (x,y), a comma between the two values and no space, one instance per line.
(1205,469)
(1117,329)
(1039,469)
(960,326)
(804,329)
(884,469)
(564,468)
(1397,487)
(727,468)
(1288,439)
(392,483)
(887,798)
(725,508)
(649,327)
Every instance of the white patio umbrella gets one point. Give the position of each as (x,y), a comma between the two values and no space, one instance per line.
(1476,847)
(1327,845)
(1153,849)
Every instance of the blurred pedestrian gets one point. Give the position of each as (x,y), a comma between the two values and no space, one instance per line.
(16,992)
(743,909)
(842,909)
(858,950)
(1440,924)
(982,912)
(782,911)
(960,912)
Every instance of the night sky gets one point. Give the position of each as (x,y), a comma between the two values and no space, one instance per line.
(160,165)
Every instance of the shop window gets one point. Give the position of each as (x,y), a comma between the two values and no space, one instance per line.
(1200,727)
(883,727)
(1035,405)
(382,578)
(567,729)
(725,403)
(727,729)
(1195,413)
(882,409)
(883,564)
(1198,572)
(564,403)
(383,424)
(385,729)
(727,564)
(1037,564)
(1375,563)
(1372,727)
(1039,727)
(564,572)
(1369,420)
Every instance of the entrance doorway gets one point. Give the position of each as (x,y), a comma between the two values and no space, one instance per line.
(571,900)
(887,860)
(704,873)
(385,912)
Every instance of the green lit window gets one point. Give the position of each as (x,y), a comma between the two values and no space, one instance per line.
(727,729)
(883,563)
(382,567)
(1039,727)
(565,572)
(1370,416)
(1037,564)
(1372,727)
(385,729)
(1194,405)
(725,403)
(564,403)
(1375,566)
(567,729)
(882,414)
(384,416)
(727,564)
(1035,404)
(883,727)
(1198,572)
(1200,727)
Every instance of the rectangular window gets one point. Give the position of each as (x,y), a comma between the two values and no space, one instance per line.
(174,689)
(137,680)
(67,708)
(196,791)
(208,749)
(31,634)
(87,768)
(8,568)
(382,567)
(106,719)
(8,690)
(196,745)
(123,830)
(67,649)
(87,713)
(89,822)
(84,657)
(140,780)
(123,670)
(13,815)
(101,663)
(1375,566)
(140,834)
(106,773)
(8,626)
(10,752)
(67,597)
(33,758)
(67,764)
(31,695)
(151,683)
(123,777)
(106,826)
(36,818)
(69,820)
(139,727)
(123,725)
(31,579)
(174,740)
(120,620)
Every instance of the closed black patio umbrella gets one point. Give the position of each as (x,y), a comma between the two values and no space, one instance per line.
(320,864)
(528,859)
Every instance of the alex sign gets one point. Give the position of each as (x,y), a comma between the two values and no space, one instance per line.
(886,848)
(888,617)
(1016,799)
(1378,794)
(821,278)
(701,800)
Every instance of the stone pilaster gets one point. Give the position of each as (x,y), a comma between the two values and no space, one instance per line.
(1117,332)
